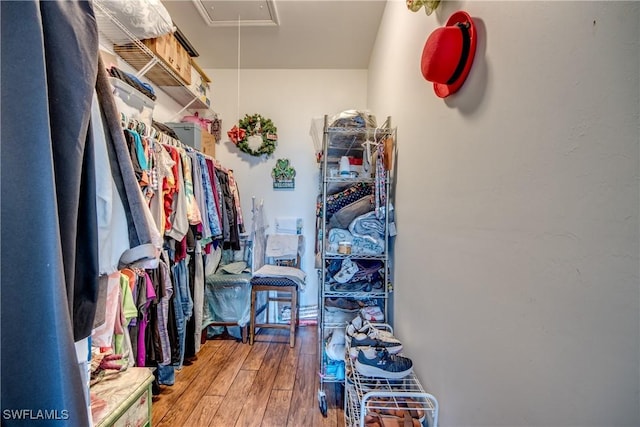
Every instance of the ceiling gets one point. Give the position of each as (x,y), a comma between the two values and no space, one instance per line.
(317,34)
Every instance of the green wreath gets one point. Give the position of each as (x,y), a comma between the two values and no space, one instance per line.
(257,125)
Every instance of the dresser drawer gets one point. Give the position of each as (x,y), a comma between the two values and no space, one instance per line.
(127,399)
(138,413)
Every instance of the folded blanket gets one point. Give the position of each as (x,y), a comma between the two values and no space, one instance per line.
(368,226)
(337,235)
(367,246)
(290,273)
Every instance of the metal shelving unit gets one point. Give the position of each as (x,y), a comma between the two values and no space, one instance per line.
(366,395)
(338,142)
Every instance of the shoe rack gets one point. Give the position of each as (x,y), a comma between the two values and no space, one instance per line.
(368,397)
(339,144)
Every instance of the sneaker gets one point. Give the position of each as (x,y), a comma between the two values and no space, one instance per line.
(376,362)
(372,313)
(364,334)
(361,286)
(342,304)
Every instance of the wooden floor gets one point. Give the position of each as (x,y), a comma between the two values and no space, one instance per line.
(268,384)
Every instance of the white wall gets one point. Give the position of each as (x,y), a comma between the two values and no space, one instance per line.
(290,98)
(517,209)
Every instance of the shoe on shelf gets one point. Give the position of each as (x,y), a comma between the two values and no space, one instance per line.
(377,362)
(348,270)
(372,313)
(361,286)
(342,304)
(363,334)
(378,420)
(396,406)
(337,316)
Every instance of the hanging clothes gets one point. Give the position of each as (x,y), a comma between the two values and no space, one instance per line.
(199,194)
(210,200)
(144,238)
(193,212)
(178,221)
(236,199)
(113,236)
(232,237)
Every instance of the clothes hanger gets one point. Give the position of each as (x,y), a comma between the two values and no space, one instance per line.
(123,120)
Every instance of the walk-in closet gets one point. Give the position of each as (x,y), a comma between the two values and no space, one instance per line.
(305,213)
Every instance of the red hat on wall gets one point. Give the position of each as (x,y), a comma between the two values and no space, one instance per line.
(448,54)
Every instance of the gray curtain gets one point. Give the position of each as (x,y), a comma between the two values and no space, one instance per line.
(49,274)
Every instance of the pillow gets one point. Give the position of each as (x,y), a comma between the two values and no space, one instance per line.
(337,201)
(347,214)
(145,19)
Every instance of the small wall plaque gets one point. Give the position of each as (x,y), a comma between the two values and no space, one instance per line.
(283,175)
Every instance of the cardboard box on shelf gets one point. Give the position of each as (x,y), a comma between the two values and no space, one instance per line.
(208,144)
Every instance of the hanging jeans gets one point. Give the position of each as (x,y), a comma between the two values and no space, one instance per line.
(183,303)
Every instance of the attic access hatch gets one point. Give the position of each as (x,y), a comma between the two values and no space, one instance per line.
(220,13)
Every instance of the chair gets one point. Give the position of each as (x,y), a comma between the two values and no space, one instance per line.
(281,277)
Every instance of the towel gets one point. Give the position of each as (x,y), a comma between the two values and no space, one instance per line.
(288,225)
(282,246)
(368,234)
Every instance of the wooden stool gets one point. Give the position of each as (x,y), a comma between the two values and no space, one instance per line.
(279,285)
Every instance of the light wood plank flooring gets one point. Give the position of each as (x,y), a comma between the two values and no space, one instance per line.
(268,384)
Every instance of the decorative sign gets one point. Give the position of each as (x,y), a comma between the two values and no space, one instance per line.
(283,174)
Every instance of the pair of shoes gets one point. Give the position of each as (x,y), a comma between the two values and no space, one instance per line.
(363,334)
(378,420)
(396,406)
(362,286)
(343,304)
(377,362)
(372,313)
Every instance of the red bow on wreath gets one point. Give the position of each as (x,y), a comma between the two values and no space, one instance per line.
(236,134)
